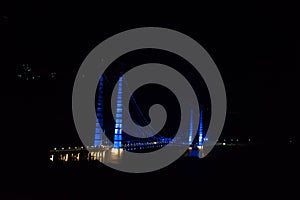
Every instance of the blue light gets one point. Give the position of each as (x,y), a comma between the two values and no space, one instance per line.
(98,130)
(201,129)
(191,128)
(118,125)
(118,137)
(97,137)
(99,113)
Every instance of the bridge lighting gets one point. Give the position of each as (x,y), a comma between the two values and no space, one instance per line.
(118,125)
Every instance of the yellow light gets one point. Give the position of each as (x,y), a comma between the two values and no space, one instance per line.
(116,150)
(66,157)
(199,147)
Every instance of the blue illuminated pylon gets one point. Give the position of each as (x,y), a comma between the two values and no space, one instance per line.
(99,112)
(191,129)
(201,129)
(118,125)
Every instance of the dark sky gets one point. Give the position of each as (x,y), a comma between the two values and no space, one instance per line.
(254,47)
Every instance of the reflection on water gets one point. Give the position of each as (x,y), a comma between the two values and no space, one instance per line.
(112,155)
(116,155)
(108,155)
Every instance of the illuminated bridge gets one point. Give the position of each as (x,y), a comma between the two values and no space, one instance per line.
(121,140)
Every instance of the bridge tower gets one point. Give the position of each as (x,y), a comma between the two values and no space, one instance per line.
(200,142)
(119,113)
(99,113)
(191,129)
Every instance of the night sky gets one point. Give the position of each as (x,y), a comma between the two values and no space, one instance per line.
(254,47)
